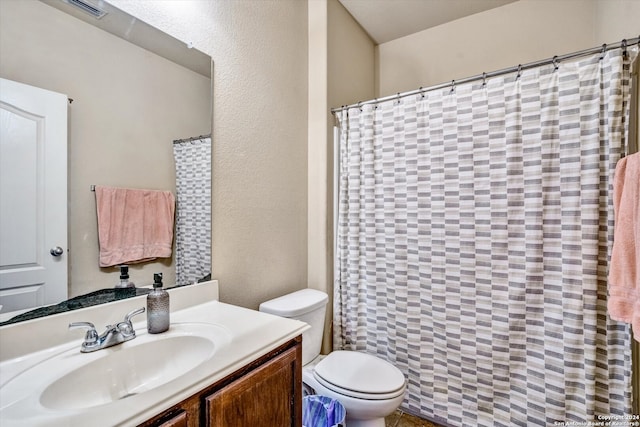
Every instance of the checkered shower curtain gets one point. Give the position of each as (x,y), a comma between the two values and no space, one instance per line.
(193,210)
(474,232)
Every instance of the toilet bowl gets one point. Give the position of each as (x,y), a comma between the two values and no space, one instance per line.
(368,387)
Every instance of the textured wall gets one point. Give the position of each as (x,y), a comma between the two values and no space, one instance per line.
(259,50)
(517,33)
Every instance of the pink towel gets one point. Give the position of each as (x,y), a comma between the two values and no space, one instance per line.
(624,268)
(134,225)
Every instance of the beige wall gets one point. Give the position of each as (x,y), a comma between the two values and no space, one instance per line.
(128,106)
(318,142)
(341,71)
(616,20)
(259,50)
(517,33)
(351,60)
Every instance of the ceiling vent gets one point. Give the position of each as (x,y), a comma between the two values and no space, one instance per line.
(87,8)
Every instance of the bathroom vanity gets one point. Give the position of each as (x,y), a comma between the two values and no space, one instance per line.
(218,365)
(264,392)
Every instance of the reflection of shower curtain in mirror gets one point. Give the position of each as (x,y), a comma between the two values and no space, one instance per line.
(193,210)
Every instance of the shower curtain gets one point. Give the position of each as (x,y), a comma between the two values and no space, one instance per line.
(193,210)
(474,231)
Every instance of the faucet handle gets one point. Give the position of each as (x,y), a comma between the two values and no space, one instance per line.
(125,327)
(91,337)
(128,316)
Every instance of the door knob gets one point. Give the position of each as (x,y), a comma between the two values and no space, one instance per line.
(57,251)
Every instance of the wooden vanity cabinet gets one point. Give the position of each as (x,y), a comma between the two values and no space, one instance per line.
(266,392)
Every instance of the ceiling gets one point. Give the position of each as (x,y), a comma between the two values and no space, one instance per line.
(386,20)
(127,27)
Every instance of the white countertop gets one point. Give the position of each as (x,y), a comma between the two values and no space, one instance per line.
(251,334)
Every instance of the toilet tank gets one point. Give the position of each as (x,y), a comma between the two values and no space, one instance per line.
(306,305)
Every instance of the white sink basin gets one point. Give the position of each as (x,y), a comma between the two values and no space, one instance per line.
(72,380)
(127,371)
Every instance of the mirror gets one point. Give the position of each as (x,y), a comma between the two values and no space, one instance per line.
(133,90)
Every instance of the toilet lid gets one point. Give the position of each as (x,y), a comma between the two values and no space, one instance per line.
(360,373)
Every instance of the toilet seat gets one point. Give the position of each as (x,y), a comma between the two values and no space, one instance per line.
(360,375)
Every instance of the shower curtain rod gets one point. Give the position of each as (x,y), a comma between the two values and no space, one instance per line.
(193,138)
(519,68)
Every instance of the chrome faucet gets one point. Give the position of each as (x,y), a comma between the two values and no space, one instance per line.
(113,335)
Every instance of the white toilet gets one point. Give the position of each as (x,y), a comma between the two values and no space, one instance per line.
(369,388)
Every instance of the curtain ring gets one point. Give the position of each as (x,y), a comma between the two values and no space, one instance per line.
(398,97)
(624,48)
(453,86)
(484,79)
(555,63)
(519,71)
(604,49)
(421,93)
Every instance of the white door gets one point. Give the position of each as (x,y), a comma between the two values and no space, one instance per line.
(33,196)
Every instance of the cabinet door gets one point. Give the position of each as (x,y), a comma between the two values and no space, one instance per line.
(267,396)
(185,414)
(179,420)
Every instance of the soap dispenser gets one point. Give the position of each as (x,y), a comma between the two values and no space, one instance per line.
(157,307)
(124,278)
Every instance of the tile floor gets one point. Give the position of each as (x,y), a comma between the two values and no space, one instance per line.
(400,419)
